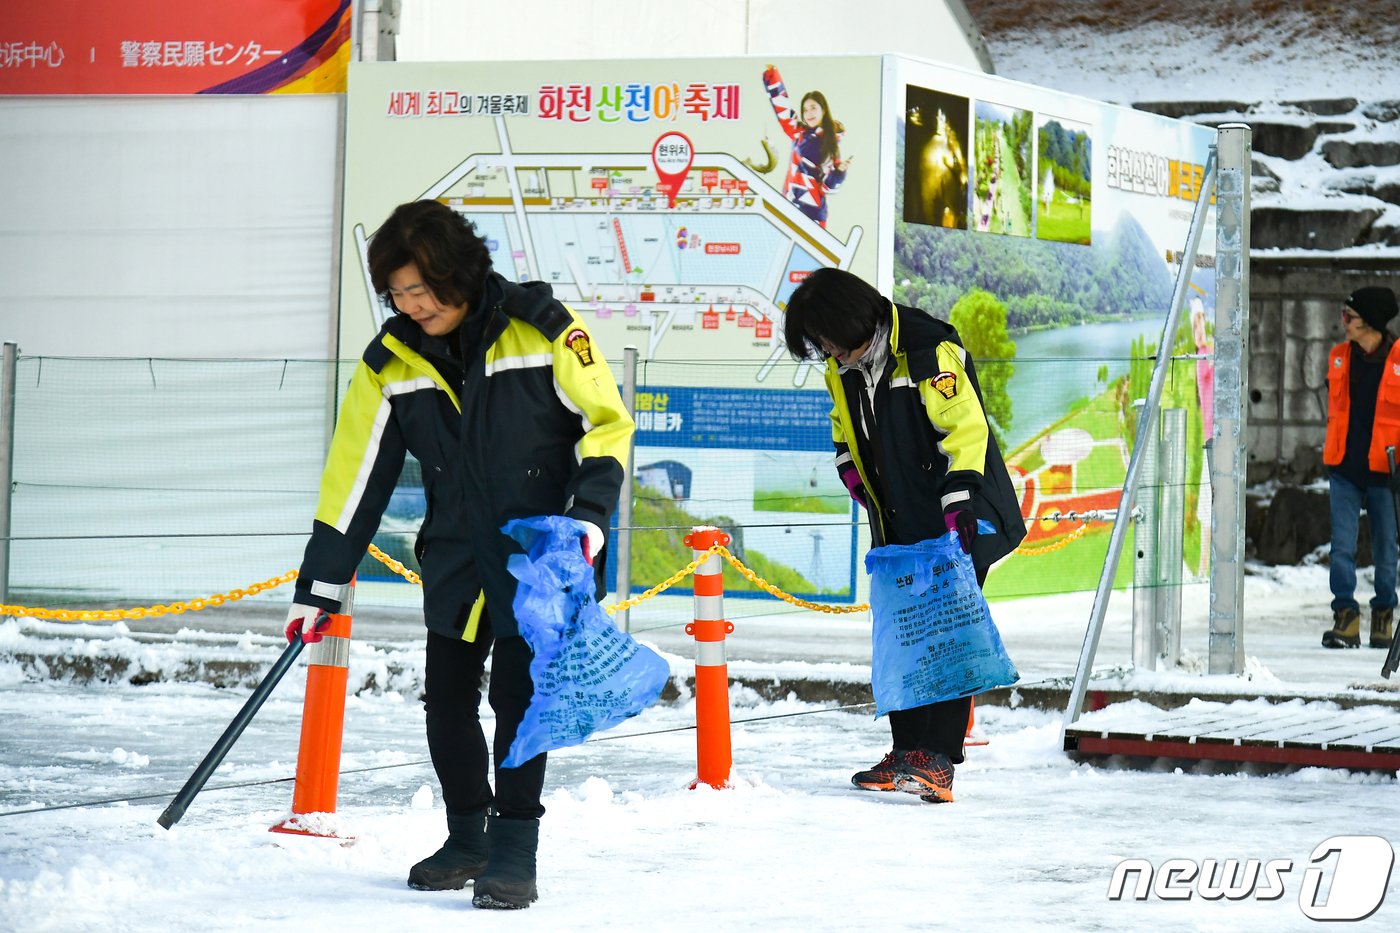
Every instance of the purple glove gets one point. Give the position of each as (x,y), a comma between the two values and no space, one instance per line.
(963,523)
(851,477)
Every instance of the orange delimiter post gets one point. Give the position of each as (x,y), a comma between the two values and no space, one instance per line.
(714,755)
(322,722)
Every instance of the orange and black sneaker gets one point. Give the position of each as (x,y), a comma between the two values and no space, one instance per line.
(883,775)
(929,776)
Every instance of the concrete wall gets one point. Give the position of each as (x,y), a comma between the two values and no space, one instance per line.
(1294,319)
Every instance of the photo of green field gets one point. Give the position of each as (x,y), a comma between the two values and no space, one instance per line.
(1063,181)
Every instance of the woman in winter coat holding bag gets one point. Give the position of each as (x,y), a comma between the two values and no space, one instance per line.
(914,449)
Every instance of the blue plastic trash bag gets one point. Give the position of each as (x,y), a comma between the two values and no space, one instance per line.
(588,675)
(933,637)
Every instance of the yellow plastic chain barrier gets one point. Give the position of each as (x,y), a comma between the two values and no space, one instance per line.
(772,590)
(148,612)
(664,585)
(145,612)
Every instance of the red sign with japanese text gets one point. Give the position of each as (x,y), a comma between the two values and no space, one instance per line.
(175,47)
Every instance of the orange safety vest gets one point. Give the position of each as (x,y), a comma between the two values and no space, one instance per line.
(1385,432)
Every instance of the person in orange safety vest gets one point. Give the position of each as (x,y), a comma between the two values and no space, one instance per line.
(1363,419)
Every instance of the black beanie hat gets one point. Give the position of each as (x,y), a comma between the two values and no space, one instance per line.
(1375,304)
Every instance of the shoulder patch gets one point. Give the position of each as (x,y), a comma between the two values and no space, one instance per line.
(946,383)
(552,319)
(377,354)
(577,341)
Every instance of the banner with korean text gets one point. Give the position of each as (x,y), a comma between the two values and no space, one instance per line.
(175,47)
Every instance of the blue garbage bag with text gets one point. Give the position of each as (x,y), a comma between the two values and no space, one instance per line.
(588,675)
(933,637)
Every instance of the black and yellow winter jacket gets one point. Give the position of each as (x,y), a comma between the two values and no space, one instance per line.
(930,448)
(522,417)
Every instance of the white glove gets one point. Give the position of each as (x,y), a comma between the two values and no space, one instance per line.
(593,541)
(308,622)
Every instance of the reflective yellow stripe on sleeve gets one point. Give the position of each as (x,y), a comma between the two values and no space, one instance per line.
(955,411)
(585,386)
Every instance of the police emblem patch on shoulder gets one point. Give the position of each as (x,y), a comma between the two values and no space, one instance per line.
(578,341)
(946,383)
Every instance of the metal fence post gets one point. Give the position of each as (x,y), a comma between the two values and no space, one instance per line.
(1171,524)
(624,502)
(1130,482)
(1229,453)
(1145,538)
(7,458)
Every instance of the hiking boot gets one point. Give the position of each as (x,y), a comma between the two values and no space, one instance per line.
(508,883)
(1345,631)
(929,776)
(883,775)
(461,858)
(1381,627)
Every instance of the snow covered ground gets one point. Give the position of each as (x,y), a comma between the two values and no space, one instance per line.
(1030,844)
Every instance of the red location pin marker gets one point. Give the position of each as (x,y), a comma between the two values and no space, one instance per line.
(672,155)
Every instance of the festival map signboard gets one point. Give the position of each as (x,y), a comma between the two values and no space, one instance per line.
(676,204)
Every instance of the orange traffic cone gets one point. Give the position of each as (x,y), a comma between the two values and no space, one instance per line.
(322,726)
(714,753)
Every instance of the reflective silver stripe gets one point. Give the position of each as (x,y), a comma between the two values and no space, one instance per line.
(709,608)
(357,489)
(956,496)
(902,382)
(330,651)
(404,386)
(710,567)
(340,592)
(844,458)
(709,654)
(587,425)
(531,361)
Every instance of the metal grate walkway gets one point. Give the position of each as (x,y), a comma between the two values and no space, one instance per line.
(1297,732)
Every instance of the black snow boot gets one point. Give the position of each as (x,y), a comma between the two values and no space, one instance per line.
(461,858)
(508,883)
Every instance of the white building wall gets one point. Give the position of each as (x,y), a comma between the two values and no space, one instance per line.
(184,226)
(455,30)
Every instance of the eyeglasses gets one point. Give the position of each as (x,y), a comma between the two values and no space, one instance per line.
(1349,315)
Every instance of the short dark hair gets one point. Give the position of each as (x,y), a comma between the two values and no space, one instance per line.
(832,305)
(452,259)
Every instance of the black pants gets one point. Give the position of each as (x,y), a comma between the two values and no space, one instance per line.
(937,727)
(452,700)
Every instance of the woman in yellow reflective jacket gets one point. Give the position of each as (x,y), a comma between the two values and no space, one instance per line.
(500,393)
(913,447)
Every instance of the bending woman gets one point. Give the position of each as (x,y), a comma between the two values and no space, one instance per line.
(913,448)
